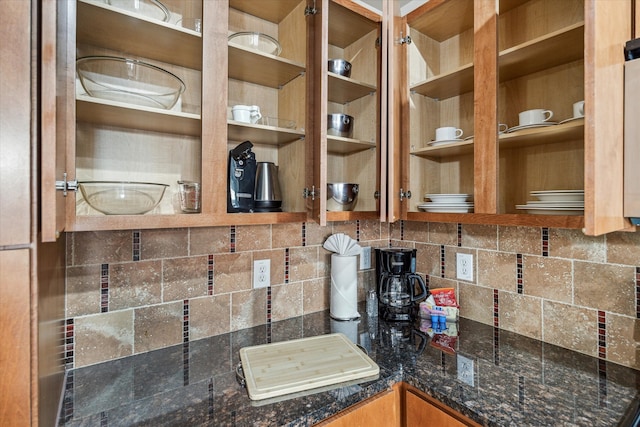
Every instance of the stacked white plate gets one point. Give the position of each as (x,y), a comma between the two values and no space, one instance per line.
(453,203)
(555,202)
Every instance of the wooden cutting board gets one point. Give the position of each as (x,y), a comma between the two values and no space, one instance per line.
(292,366)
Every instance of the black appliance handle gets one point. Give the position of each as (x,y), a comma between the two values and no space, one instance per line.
(423,340)
(423,287)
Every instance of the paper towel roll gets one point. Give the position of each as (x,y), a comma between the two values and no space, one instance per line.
(344,287)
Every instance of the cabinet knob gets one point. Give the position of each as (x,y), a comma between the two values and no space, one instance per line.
(404,194)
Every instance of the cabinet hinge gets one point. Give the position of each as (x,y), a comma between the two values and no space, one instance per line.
(378,42)
(404,40)
(66,186)
(404,194)
(311,193)
(309,10)
(376,195)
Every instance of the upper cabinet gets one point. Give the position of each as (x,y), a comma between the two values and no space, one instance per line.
(478,67)
(345,121)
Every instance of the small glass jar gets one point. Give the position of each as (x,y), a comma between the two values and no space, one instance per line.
(372,304)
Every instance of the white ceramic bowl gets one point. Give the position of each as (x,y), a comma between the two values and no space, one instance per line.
(448,198)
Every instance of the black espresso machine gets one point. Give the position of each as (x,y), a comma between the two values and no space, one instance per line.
(398,287)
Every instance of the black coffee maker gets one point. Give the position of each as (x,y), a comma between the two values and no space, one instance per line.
(399,288)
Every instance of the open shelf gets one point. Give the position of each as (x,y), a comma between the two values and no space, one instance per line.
(340,145)
(274,12)
(112,113)
(553,49)
(107,26)
(262,134)
(343,89)
(346,26)
(260,68)
(446,85)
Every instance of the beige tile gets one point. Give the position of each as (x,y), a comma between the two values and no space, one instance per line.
(623,336)
(370,230)
(428,259)
(303,263)
(497,270)
(605,287)
(248,309)
(135,284)
(443,233)
(184,278)
(416,231)
(569,243)
(476,303)
(480,236)
(286,301)
(167,243)
(346,227)
(83,290)
(316,294)
(521,240)
(570,327)
(209,240)
(450,261)
(548,278)
(395,229)
(436,281)
(623,248)
(209,316)
(277,264)
(99,247)
(520,314)
(158,326)
(232,272)
(324,262)
(286,235)
(103,337)
(315,234)
(253,237)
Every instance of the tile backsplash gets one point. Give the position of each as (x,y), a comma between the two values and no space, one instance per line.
(130,292)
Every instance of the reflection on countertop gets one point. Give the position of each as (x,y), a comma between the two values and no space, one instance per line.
(516,380)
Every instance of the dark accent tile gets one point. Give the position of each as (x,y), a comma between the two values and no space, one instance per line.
(459,235)
(232,238)
(136,245)
(545,241)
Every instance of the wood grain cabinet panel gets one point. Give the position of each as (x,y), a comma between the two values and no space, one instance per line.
(379,410)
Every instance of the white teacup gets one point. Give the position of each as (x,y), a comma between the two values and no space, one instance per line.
(534,117)
(447,133)
(246,113)
(578,109)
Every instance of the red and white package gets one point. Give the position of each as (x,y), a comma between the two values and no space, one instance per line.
(445,297)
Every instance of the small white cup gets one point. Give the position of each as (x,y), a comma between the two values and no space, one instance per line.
(534,117)
(246,113)
(447,133)
(578,109)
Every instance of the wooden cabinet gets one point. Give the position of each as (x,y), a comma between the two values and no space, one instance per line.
(477,64)
(346,30)
(380,410)
(118,141)
(421,410)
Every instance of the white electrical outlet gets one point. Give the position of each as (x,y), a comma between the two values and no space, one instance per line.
(261,273)
(365,258)
(466,373)
(464,267)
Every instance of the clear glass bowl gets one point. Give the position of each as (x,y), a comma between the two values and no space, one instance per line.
(121,197)
(149,8)
(129,80)
(257,41)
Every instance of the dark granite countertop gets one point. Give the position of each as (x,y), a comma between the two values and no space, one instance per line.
(517,381)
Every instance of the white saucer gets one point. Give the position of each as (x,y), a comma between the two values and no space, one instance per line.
(571,119)
(535,125)
(468,138)
(443,141)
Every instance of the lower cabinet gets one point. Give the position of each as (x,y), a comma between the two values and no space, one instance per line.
(383,409)
(421,410)
(403,405)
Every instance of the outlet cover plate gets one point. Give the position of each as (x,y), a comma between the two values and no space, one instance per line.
(464,267)
(466,371)
(261,273)
(365,258)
